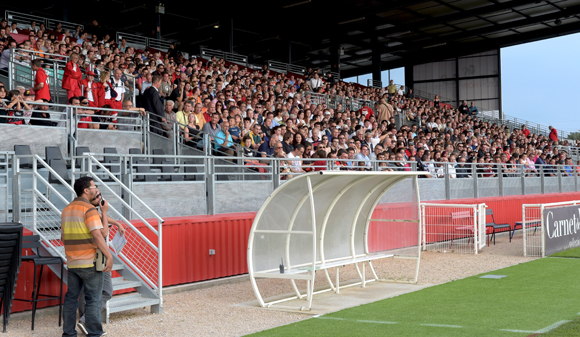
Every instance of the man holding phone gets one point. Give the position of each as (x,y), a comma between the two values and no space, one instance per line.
(107,292)
(81,234)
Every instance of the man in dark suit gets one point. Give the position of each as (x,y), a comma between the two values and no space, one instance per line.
(152,104)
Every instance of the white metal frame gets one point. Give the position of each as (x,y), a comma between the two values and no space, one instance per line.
(532,225)
(479,223)
(307,271)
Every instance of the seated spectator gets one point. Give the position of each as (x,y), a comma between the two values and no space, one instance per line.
(364,155)
(40,115)
(191,131)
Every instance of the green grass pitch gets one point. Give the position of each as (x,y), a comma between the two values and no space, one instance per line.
(536,296)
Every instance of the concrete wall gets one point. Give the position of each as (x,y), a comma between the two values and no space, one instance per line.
(171,199)
(241,196)
(38,137)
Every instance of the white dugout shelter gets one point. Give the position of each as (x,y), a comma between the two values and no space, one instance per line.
(322,220)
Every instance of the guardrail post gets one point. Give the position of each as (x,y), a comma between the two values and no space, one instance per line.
(16,209)
(560,168)
(575,178)
(127,179)
(207,144)
(474,175)
(55,81)
(447,183)
(500,179)
(210,185)
(523,178)
(542,180)
(175,142)
(275,165)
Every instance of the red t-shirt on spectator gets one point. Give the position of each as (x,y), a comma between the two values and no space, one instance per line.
(44,92)
(526,132)
(369,112)
(320,163)
(554,135)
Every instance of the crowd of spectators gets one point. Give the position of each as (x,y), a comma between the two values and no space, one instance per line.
(275,114)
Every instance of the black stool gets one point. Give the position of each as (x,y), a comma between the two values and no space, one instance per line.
(33,241)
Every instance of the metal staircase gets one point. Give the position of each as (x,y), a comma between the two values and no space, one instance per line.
(38,204)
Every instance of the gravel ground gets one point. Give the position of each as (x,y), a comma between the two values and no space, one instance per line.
(211,311)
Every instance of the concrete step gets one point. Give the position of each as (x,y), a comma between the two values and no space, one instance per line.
(128,302)
(118,266)
(120,283)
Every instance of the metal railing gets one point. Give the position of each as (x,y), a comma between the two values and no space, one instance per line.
(286,67)
(446,180)
(20,72)
(374,84)
(24,20)
(40,207)
(142,42)
(5,193)
(516,123)
(230,57)
(453,228)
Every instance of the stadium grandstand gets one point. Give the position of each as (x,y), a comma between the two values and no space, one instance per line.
(228,109)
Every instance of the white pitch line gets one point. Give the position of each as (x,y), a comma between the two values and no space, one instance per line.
(377,322)
(520,331)
(444,326)
(552,327)
(334,318)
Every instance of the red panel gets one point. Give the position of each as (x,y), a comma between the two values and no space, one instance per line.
(187,240)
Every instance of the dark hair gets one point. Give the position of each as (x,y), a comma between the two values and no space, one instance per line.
(81,184)
(70,100)
(36,63)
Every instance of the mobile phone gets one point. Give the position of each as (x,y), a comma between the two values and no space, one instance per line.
(102,202)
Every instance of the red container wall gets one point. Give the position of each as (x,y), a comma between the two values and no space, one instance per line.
(187,241)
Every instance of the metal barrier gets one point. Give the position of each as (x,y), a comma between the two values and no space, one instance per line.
(449,228)
(135,41)
(516,123)
(374,84)
(142,42)
(533,226)
(5,192)
(24,20)
(230,57)
(286,67)
(533,239)
(39,209)
(20,73)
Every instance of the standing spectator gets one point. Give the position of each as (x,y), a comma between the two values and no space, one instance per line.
(41,86)
(463,108)
(5,59)
(553,134)
(89,88)
(384,110)
(315,83)
(152,104)
(81,233)
(391,88)
(117,85)
(473,110)
(72,77)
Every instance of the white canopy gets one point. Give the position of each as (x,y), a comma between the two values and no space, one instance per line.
(321,220)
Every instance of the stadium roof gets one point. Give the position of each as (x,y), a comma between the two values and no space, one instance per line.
(403,31)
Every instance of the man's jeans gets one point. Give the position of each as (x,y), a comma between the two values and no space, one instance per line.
(105,296)
(92,281)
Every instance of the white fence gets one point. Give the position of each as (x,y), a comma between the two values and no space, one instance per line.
(533,226)
(453,228)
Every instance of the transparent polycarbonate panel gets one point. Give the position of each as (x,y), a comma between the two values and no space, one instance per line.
(398,237)
(380,186)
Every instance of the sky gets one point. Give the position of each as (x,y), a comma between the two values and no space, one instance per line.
(540,81)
